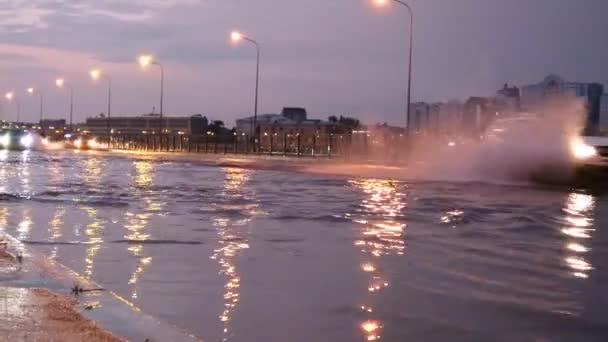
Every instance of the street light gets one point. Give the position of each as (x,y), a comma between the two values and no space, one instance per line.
(145,61)
(409,79)
(10,96)
(237,37)
(33,91)
(60,82)
(95,75)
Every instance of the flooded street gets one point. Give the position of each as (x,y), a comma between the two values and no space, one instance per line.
(260,255)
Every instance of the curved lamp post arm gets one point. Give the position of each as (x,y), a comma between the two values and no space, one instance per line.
(257,86)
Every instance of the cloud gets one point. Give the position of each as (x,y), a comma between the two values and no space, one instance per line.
(332,56)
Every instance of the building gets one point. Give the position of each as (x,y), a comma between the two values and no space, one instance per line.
(450,117)
(604,114)
(54,128)
(478,113)
(289,116)
(295,113)
(419,117)
(535,95)
(53,125)
(289,129)
(147,124)
(508,99)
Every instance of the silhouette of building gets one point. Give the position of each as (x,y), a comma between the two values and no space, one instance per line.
(450,117)
(604,114)
(147,124)
(552,86)
(508,99)
(478,113)
(295,113)
(419,117)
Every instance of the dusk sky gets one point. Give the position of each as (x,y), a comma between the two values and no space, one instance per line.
(330,56)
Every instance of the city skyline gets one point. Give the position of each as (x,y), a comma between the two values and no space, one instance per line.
(355,65)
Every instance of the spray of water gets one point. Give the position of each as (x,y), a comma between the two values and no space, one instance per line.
(516,148)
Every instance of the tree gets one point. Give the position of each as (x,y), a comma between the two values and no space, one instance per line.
(332,119)
(217,127)
(347,124)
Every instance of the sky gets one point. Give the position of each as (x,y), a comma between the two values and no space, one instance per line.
(334,57)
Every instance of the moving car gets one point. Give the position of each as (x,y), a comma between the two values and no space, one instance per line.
(20,140)
(80,142)
(590,150)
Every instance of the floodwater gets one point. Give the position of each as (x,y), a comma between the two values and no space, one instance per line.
(260,255)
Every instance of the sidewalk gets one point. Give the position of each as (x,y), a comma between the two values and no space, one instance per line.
(40,315)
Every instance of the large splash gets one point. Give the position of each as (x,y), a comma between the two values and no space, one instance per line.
(516,148)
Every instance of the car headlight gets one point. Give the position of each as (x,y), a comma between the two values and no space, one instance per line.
(5,140)
(582,151)
(27,141)
(78,143)
(45,141)
(93,143)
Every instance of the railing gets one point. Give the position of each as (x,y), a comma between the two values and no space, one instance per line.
(347,146)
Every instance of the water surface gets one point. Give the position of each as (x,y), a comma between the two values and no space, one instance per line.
(259,255)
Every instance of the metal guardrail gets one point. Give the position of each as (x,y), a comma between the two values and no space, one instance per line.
(347,146)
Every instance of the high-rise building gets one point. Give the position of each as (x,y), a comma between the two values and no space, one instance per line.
(419,117)
(535,95)
(604,114)
(508,99)
(477,115)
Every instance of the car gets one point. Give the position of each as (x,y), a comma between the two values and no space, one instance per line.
(20,140)
(590,150)
(80,142)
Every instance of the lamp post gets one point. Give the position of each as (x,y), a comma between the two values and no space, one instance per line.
(95,75)
(237,37)
(11,97)
(60,82)
(145,61)
(33,91)
(411,52)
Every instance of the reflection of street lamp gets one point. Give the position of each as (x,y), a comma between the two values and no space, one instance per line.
(145,61)
(409,79)
(36,91)
(237,37)
(10,96)
(95,75)
(60,82)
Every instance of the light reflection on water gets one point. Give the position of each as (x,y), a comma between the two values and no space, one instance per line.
(488,264)
(55,229)
(3,218)
(93,232)
(25,226)
(579,230)
(24,172)
(92,174)
(232,240)
(136,223)
(382,234)
(92,168)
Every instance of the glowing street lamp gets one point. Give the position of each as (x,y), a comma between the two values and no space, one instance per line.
(33,91)
(96,74)
(411,52)
(60,82)
(237,37)
(145,61)
(10,96)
